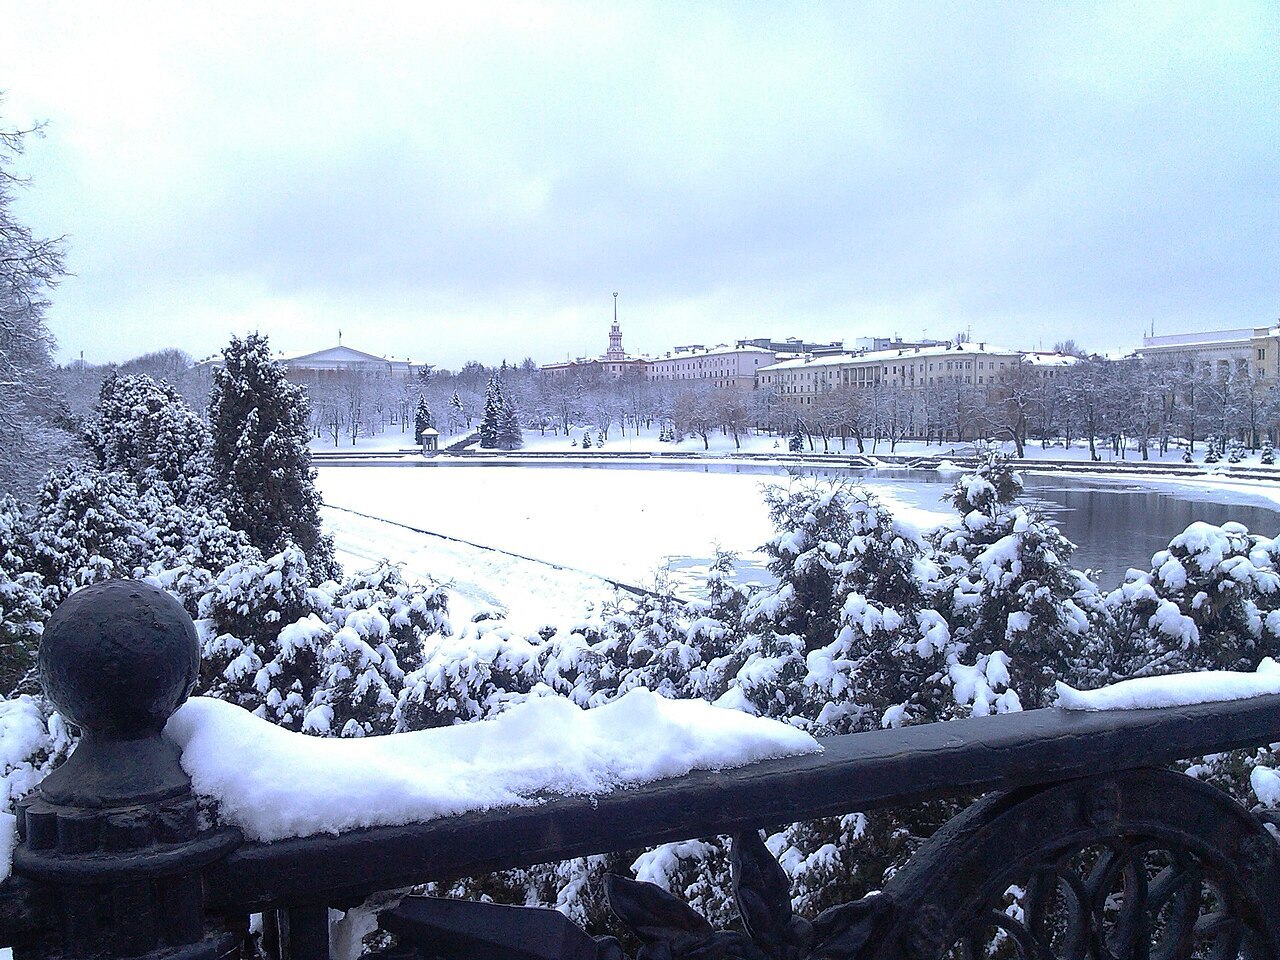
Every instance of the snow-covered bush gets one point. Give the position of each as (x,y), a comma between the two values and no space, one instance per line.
(327,660)
(1011,598)
(23,608)
(91,526)
(1210,601)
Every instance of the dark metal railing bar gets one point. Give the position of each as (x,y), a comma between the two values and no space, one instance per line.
(857,772)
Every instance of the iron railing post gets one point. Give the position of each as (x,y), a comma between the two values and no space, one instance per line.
(111,847)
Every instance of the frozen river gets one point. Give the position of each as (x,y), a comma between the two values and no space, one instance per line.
(626,520)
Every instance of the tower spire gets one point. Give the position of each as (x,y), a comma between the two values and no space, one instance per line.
(615,351)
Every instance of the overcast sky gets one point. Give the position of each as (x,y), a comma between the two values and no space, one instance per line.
(475,181)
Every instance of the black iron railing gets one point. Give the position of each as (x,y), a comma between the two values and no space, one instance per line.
(1082,846)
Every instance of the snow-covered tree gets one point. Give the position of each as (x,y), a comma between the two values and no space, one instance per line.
(147,431)
(510,436)
(1010,593)
(23,609)
(422,419)
(327,660)
(31,414)
(1210,601)
(90,526)
(491,421)
(796,443)
(261,460)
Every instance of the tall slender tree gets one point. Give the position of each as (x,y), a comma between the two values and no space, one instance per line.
(491,422)
(422,419)
(30,266)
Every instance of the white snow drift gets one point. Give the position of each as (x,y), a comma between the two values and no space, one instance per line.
(275,784)
(1175,689)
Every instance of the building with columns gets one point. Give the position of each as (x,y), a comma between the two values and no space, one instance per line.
(1222,353)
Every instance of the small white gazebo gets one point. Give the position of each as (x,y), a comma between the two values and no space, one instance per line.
(430,442)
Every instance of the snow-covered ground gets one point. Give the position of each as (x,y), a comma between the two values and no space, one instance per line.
(528,595)
(625,524)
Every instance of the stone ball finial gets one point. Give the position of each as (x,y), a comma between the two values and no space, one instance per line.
(118,658)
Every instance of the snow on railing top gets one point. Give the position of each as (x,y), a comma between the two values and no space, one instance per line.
(1174,690)
(275,784)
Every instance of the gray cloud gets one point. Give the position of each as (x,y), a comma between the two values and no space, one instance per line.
(464,183)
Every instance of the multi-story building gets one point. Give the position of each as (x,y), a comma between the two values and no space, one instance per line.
(803,380)
(1253,350)
(720,366)
(1220,351)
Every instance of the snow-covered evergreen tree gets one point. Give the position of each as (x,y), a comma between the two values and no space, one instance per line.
(1010,593)
(422,419)
(491,421)
(796,443)
(329,660)
(23,609)
(91,526)
(1210,601)
(263,628)
(261,461)
(146,431)
(510,436)
(1268,456)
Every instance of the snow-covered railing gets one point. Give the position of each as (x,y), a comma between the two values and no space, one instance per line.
(1085,848)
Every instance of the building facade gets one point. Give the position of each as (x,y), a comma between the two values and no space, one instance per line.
(721,366)
(1221,353)
(802,381)
(339,360)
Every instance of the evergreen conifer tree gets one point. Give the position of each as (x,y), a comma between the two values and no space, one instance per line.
(796,443)
(490,424)
(146,430)
(261,460)
(422,419)
(510,436)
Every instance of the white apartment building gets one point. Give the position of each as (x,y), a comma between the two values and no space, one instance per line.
(721,366)
(802,381)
